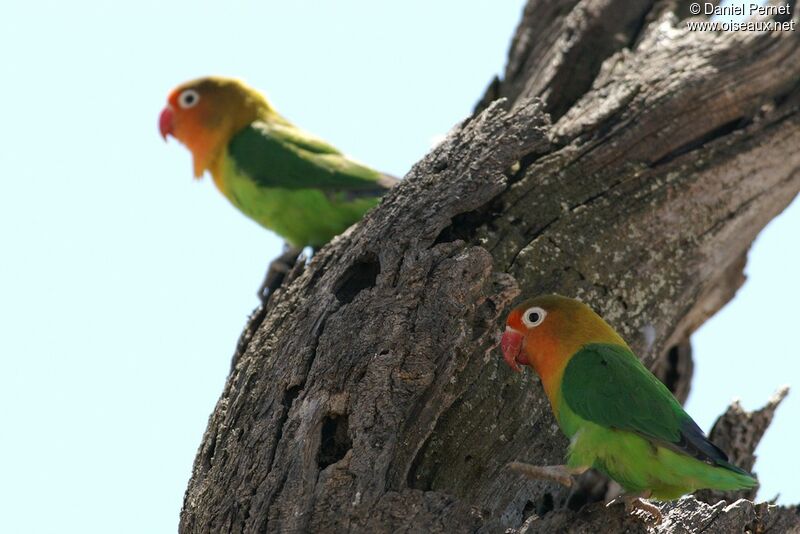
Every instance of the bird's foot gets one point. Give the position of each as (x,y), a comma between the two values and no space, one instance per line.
(635,504)
(560,474)
(277,271)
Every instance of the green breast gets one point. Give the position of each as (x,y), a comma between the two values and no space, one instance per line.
(303,217)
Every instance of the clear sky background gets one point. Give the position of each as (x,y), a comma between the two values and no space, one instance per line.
(124,285)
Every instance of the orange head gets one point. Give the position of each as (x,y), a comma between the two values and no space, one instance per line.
(546,331)
(204,114)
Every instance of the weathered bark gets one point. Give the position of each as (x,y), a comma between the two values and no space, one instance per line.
(687,515)
(630,164)
(738,433)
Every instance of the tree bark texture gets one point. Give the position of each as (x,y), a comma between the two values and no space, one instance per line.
(629,163)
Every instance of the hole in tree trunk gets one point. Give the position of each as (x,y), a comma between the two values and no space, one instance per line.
(334,442)
(675,369)
(530,506)
(543,507)
(464,225)
(358,277)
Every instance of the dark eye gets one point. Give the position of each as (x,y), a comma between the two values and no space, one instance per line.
(533,317)
(189,98)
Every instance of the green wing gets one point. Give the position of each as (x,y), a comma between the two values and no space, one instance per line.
(608,385)
(280,155)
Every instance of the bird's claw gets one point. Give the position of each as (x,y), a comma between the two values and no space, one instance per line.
(277,271)
(637,504)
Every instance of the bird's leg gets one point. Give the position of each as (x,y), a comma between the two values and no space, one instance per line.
(277,271)
(561,474)
(637,502)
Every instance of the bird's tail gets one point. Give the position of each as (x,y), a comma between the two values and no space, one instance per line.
(726,476)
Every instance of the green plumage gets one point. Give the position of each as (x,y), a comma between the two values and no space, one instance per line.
(623,421)
(297,185)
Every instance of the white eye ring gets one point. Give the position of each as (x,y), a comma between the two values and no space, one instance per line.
(533,317)
(188,99)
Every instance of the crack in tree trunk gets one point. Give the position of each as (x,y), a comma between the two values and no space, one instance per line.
(366,394)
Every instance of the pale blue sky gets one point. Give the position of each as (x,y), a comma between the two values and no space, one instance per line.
(124,285)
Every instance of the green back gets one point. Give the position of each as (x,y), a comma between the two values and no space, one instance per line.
(276,155)
(607,385)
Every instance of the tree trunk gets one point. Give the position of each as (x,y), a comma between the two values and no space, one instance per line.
(630,163)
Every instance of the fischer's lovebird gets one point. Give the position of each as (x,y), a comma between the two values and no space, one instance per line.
(620,419)
(285,179)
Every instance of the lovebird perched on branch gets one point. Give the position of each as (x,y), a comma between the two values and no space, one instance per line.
(285,179)
(620,419)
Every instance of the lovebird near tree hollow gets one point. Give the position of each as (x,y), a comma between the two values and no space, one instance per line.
(287,180)
(619,417)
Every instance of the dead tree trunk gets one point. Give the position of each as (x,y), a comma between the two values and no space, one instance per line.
(631,163)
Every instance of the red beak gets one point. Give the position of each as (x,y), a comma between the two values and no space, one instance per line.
(165,122)
(512,347)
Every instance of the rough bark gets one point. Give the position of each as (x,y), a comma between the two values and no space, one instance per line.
(630,163)
(738,433)
(687,515)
